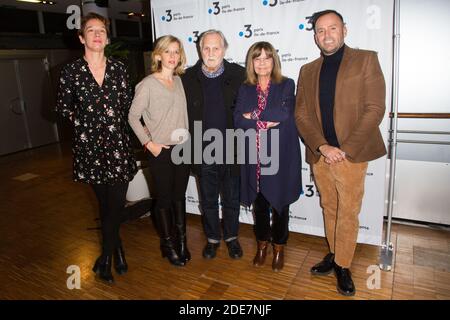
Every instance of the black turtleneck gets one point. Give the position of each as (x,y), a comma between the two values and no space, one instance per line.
(327,87)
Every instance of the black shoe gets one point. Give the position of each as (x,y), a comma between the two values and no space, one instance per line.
(102,268)
(234,249)
(120,264)
(325,266)
(345,284)
(168,251)
(210,249)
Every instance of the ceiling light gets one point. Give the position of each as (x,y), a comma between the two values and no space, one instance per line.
(38,1)
(134,14)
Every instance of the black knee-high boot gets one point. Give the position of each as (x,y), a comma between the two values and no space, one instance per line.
(164,224)
(179,208)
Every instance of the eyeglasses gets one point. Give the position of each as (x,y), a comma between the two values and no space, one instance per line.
(261,60)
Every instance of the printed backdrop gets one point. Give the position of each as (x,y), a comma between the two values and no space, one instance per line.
(284,23)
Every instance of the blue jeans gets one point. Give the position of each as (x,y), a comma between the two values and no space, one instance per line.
(216,179)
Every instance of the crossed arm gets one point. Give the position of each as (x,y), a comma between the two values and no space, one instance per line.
(271,116)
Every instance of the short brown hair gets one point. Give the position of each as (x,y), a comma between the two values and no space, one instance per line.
(91,16)
(254,52)
(162,44)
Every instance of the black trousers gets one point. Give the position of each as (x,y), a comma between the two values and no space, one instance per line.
(170,180)
(278,233)
(111,200)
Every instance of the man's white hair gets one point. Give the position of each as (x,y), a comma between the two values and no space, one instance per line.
(213,31)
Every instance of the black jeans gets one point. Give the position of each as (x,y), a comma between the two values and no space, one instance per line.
(111,200)
(217,179)
(170,180)
(279,232)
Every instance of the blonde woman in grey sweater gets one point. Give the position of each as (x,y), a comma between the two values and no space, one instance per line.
(160,100)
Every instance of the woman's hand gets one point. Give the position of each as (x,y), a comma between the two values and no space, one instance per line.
(266,125)
(247,115)
(271,124)
(155,148)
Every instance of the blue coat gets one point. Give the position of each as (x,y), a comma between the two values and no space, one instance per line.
(284,187)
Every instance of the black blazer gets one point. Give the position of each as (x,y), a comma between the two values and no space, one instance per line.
(234,76)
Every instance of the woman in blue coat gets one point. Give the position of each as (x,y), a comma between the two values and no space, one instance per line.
(265,104)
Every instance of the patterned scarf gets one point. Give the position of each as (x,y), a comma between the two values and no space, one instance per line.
(260,125)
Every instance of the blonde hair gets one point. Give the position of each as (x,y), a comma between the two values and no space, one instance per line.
(254,52)
(161,44)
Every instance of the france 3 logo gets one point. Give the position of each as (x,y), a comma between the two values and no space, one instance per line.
(227,8)
(168,16)
(274,3)
(247,33)
(194,37)
(215,9)
(175,16)
(271,3)
(307,24)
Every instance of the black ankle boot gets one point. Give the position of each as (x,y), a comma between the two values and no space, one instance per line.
(345,285)
(120,264)
(325,266)
(168,251)
(179,208)
(163,221)
(102,268)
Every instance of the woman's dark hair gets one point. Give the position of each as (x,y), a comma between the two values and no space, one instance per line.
(92,16)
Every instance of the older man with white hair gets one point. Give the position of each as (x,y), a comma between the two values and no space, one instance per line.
(211,86)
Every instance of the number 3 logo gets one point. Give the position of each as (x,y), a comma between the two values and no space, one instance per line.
(248,30)
(216,8)
(195,40)
(169,15)
(309,190)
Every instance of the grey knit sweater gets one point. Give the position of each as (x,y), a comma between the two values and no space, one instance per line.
(163,110)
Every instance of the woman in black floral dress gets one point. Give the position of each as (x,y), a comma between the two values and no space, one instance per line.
(95,95)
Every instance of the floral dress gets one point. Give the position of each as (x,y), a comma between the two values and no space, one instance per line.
(102,152)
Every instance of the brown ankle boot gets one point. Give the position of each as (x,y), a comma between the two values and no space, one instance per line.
(260,256)
(278,257)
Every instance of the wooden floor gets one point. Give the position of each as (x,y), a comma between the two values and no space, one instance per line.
(47,223)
